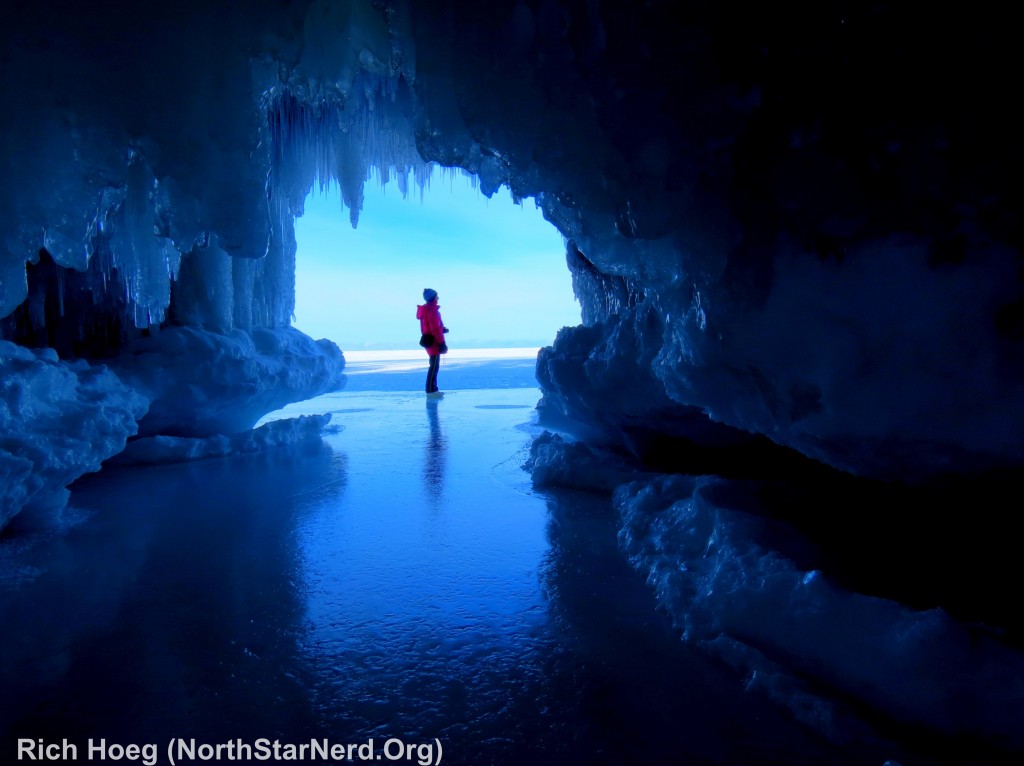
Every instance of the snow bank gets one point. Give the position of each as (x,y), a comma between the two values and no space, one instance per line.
(58,421)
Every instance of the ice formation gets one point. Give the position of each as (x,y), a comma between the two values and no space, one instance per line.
(58,420)
(799,223)
(744,584)
(285,433)
(556,462)
(204,383)
(787,628)
(795,225)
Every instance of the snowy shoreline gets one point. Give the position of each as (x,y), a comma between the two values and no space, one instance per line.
(404,360)
(353,357)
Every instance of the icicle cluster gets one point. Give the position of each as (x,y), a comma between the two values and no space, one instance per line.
(180,196)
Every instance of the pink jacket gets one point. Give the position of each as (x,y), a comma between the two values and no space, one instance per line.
(430,322)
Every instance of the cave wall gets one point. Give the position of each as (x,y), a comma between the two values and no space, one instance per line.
(813,210)
(796,221)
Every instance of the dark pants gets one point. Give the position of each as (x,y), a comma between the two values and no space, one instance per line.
(435,362)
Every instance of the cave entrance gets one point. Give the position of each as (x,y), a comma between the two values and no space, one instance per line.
(498,267)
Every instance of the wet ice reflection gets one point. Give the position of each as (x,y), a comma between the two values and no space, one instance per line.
(172,605)
(434,455)
(425,608)
(401,580)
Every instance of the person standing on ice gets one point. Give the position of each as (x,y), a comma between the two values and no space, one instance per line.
(432,331)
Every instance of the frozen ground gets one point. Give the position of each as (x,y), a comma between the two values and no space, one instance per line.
(461,369)
(399,579)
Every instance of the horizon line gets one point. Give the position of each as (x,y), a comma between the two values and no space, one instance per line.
(401,354)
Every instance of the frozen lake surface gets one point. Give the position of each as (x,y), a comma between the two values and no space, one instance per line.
(402,579)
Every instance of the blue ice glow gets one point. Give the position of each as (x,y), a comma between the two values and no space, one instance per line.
(499,268)
(401,579)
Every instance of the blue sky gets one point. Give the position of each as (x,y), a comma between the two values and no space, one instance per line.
(499,268)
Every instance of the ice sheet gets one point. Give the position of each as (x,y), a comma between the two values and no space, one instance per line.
(403,579)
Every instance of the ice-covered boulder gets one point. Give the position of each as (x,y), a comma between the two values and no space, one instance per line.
(207,383)
(58,421)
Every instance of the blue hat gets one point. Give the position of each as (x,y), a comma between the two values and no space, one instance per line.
(429,295)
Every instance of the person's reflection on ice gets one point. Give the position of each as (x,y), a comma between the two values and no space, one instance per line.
(434,455)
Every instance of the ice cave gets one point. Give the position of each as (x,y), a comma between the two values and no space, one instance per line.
(794,231)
